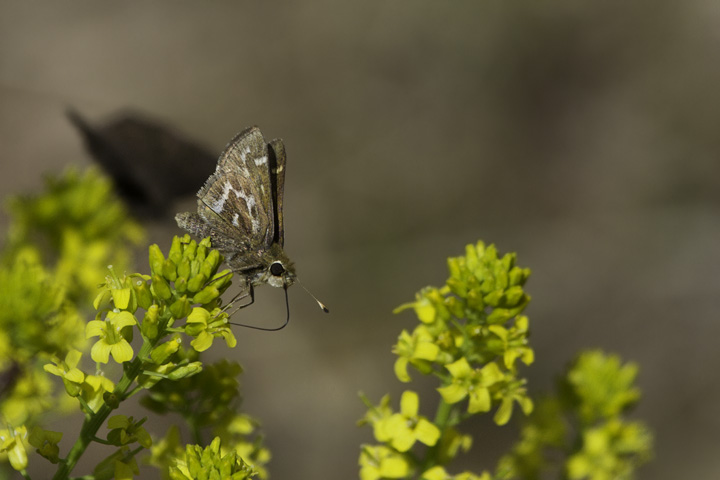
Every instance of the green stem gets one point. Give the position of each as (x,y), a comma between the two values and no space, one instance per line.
(194,430)
(85,407)
(91,425)
(443,414)
(100,440)
(134,391)
(134,452)
(442,421)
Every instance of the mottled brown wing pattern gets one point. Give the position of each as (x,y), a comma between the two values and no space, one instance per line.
(238,197)
(221,238)
(240,208)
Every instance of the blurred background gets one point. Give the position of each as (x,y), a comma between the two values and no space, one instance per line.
(583,136)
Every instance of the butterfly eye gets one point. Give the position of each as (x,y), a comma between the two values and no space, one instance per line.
(277,269)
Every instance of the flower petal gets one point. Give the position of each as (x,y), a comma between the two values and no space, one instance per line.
(75,376)
(95,328)
(452,393)
(143,437)
(409,403)
(73,358)
(229,338)
(435,473)
(100,351)
(118,421)
(123,319)
(426,351)
(202,342)
(491,374)
(403,440)
(479,400)
(53,369)
(198,315)
(121,297)
(401,371)
(503,414)
(394,467)
(425,310)
(123,471)
(122,351)
(460,368)
(18,456)
(427,432)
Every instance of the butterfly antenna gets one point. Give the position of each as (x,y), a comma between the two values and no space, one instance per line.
(320,304)
(265,329)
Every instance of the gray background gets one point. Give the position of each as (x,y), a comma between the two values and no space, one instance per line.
(583,135)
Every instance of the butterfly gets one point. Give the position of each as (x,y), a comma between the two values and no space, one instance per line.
(240,209)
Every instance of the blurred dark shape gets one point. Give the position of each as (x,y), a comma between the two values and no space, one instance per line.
(9,378)
(150,163)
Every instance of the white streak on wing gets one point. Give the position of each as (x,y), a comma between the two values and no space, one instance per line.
(236,219)
(250,202)
(243,158)
(261,161)
(218,204)
(243,154)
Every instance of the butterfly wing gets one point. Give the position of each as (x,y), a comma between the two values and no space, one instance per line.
(277,177)
(237,200)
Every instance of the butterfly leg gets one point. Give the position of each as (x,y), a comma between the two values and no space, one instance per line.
(266,329)
(251,293)
(248,291)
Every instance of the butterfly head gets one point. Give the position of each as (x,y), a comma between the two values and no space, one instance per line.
(279,274)
(275,269)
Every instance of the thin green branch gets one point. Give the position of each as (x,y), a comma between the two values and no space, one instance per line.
(97,439)
(443,416)
(91,425)
(85,407)
(134,391)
